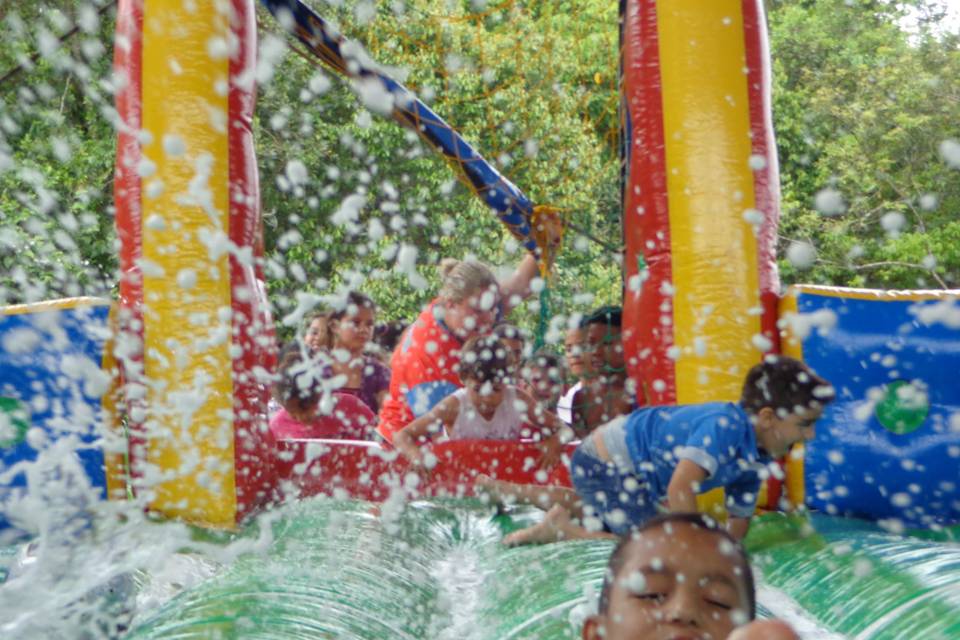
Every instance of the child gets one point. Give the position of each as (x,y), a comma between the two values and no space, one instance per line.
(574,344)
(350,329)
(315,335)
(514,340)
(299,391)
(605,393)
(386,336)
(488,407)
(623,470)
(677,576)
(542,378)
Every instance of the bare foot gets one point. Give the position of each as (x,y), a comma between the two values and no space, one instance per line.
(554,527)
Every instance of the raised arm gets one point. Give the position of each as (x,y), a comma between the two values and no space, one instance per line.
(516,287)
(407,440)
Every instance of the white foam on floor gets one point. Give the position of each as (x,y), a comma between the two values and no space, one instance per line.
(782,606)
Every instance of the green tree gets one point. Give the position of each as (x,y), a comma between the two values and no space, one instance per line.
(56,152)
(504,78)
(862,105)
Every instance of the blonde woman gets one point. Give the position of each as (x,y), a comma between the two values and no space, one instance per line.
(424,367)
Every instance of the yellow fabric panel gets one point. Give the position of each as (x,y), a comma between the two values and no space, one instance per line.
(713,504)
(873,294)
(710,185)
(795,483)
(51,305)
(185,220)
(114,439)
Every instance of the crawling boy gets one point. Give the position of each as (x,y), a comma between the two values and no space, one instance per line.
(623,470)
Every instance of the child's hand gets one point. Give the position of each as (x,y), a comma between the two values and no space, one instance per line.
(550,451)
(423,466)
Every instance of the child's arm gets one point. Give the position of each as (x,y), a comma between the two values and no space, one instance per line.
(742,503)
(684,485)
(548,421)
(432,422)
(554,433)
(738,527)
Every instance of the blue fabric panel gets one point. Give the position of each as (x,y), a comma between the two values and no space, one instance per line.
(858,467)
(43,367)
(426,395)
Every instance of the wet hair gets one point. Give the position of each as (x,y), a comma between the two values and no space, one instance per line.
(485,359)
(548,361)
(785,385)
(610,316)
(696,520)
(352,305)
(461,279)
(386,335)
(507,331)
(299,384)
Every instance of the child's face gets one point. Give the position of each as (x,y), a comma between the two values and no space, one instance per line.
(681,583)
(353,332)
(573,345)
(541,385)
(776,434)
(316,334)
(485,396)
(514,350)
(605,347)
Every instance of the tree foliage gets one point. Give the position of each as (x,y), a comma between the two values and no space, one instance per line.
(862,108)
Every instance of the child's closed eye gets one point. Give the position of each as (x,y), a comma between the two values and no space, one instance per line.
(654,596)
(720,604)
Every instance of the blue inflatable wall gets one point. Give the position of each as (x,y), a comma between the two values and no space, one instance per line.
(51,385)
(889,447)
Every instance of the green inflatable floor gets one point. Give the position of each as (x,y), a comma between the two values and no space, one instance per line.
(340,569)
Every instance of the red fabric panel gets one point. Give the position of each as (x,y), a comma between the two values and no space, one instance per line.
(646,217)
(766,180)
(127,63)
(367,471)
(255,473)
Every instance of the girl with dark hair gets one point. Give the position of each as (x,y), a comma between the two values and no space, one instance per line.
(354,372)
(299,390)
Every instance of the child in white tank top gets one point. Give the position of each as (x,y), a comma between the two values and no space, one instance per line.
(488,407)
(505,423)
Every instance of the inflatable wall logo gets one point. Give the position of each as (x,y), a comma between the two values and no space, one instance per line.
(55,384)
(889,447)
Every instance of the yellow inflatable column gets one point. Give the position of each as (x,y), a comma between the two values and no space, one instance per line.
(700,199)
(188,217)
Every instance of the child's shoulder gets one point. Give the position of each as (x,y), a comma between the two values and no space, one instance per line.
(723,412)
(374,365)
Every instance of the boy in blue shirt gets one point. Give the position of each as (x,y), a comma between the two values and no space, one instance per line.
(623,470)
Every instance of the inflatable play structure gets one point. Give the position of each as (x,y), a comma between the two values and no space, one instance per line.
(192,345)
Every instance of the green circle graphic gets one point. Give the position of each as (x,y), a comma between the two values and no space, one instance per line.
(902,412)
(14,422)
